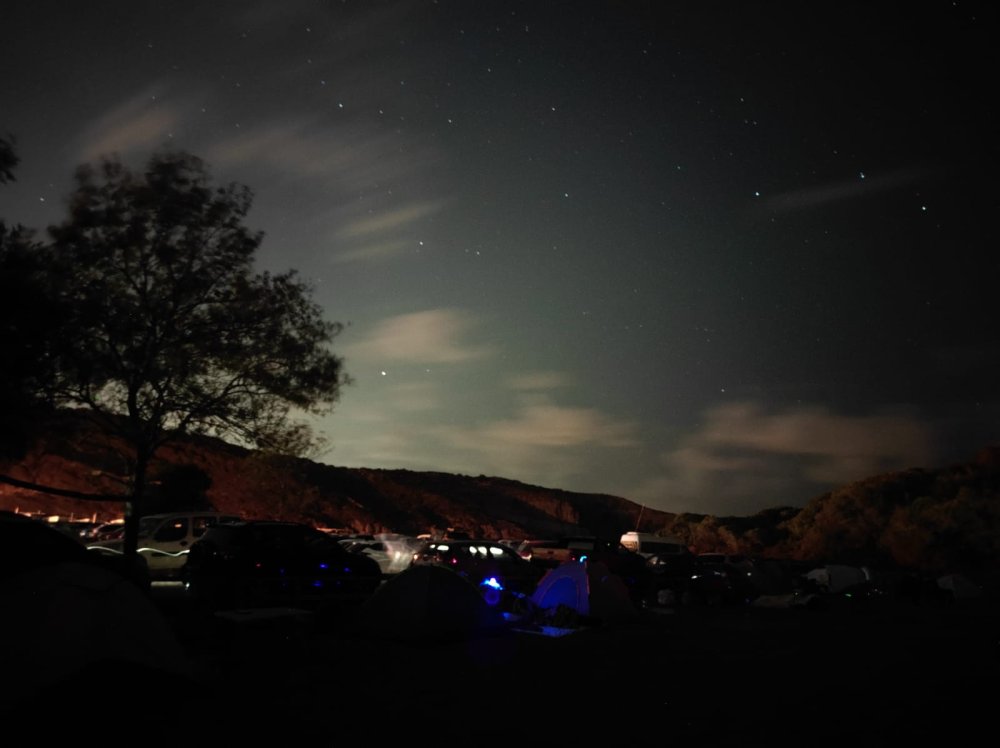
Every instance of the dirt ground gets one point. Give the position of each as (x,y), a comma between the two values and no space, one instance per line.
(872,675)
(886,674)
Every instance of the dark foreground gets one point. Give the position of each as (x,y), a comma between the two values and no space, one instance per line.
(886,674)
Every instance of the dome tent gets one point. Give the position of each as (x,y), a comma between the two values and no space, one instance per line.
(426,603)
(589,589)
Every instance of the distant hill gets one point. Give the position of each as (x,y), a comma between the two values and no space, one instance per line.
(931,519)
(72,456)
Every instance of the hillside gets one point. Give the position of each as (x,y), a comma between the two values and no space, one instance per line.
(253,484)
(932,519)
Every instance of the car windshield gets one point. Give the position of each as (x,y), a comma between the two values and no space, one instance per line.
(147,525)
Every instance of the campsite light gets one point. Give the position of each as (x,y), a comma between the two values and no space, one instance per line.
(583,558)
(492,590)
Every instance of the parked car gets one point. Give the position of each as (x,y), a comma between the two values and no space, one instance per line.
(720,579)
(165,539)
(525,549)
(671,574)
(494,567)
(267,563)
(392,555)
(27,543)
(648,544)
(113,530)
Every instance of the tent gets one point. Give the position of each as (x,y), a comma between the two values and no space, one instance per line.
(75,630)
(589,589)
(838,577)
(426,602)
(78,631)
(960,586)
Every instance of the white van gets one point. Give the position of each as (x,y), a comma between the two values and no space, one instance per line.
(165,539)
(647,544)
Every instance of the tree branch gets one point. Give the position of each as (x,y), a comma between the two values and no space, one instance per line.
(61,491)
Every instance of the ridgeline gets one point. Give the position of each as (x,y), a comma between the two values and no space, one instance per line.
(944,519)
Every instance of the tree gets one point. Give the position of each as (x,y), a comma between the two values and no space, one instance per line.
(167,329)
(8,160)
(29,322)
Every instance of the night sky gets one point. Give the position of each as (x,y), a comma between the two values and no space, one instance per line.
(711,257)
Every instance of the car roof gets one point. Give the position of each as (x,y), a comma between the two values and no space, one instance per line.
(192,513)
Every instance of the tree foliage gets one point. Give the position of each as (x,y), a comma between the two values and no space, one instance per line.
(172,327)
(168,329)
(8,160)
(29,321)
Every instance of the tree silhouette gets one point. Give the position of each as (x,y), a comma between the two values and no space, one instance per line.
(178,487)
(8,160)
(29,323)
(168,330)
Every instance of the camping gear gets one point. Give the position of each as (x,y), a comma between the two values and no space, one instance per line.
(588,588)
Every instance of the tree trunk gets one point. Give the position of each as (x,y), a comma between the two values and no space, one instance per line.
(134,508)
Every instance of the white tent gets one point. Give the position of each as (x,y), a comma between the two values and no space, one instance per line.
(960,586)
(838,577)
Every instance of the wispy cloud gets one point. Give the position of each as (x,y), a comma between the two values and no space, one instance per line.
(370,24)
(341,164)
(549,425)
(389,220)
(350,155)
(413,397)
(539,380)
(377,250)
(835,192)
(377,235)
(434,336)
(141,123)
(838,447)
(744,458)
(538,442)
(542,443)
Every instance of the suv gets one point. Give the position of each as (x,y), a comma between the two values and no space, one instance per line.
(265,563)
(165,539)
(488,564)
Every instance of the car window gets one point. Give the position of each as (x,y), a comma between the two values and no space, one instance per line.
(200,524)
(173,530)
(148,525)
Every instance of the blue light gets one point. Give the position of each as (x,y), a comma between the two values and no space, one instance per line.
(492,590)
(324,566)
(583,558)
